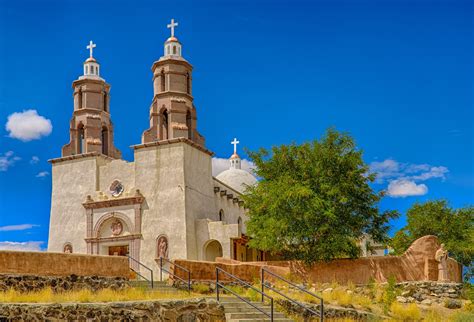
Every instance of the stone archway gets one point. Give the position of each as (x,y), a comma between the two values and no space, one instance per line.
(212,249)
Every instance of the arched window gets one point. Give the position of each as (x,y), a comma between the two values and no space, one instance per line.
(105,141)
(87,70)
(67,248)
(106,98)
(174,50)
(239,223)
(221,215)
(162,80)
(168,51)
(189,125)
(188,84)
(164,125)
(81,148)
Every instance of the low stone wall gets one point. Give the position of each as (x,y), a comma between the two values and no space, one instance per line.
(201,310)
(330,311)
(416,264)
(428,292)
(26,283)
(60,264)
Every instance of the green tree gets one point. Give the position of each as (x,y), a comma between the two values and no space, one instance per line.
(453,227)
(313,201)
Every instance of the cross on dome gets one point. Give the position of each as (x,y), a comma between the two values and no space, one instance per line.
(171,26)
(91,47)
(234,143)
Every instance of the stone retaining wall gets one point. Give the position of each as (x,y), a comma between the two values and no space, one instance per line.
(26,283)
(202,310)
(428,292)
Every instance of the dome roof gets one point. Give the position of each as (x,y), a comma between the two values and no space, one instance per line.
(237,179)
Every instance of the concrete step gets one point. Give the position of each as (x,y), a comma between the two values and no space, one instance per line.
(253,315)
(261,320)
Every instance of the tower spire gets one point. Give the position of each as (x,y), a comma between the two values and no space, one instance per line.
(171,26)
(91,47)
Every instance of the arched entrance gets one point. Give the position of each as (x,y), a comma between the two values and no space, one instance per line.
(212,249)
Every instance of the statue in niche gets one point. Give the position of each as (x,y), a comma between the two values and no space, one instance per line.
(116,228)
(441,257)
(162,245)
(68,249)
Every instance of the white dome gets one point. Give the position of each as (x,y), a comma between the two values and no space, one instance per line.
(237,179)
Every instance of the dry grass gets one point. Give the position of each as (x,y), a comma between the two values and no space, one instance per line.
(85,296)
(405,312)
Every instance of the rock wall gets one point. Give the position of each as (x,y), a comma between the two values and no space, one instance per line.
(428,292)
(60,264)
(202,310)
(26,283)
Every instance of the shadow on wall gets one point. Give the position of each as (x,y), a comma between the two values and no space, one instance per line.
(418,263)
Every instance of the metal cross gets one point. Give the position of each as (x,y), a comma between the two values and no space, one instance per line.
(235,142)
(91,47)
(171,26)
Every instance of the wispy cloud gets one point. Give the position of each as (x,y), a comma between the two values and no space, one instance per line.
(42,174)
(28,125)
(21,246)
(221,164)
(17,227)
(403,178)
(7,160)
(34,160)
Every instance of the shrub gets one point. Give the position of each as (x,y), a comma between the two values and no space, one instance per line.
(201,288)
(402,312)
(390,293)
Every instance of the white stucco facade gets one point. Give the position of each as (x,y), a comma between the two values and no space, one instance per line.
(168,190)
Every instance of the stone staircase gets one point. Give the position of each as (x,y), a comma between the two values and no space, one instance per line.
(237,310)
(158,286)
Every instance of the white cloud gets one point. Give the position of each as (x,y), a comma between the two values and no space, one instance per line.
(221,164)
(34,159)
(28,125)
(403,178)
(42,174)
(21,246)
(17,227)
(7,160)
(405,188)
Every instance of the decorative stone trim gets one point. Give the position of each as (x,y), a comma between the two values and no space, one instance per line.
(137,199)
(173,141)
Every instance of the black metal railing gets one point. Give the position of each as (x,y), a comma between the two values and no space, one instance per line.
(218,284)
(163,269)
(144,266)
(267,285)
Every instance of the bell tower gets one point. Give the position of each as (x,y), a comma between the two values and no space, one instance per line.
(91,129)
(172,112)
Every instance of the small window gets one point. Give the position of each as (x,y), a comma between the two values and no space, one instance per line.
(221,215)
(174,50)
(87,70)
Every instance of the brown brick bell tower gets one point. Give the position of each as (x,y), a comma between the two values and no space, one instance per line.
(91,129)
(172,112)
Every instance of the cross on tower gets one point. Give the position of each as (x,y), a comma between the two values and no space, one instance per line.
(234,143)
(171,26)
(91,47)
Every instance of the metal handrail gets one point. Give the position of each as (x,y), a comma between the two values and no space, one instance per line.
(270,315)
(144,266)
(321,307)
(188,282)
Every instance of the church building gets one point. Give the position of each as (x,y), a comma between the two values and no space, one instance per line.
(165,203)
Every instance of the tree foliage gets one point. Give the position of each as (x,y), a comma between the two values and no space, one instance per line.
(313,201)
(453,227)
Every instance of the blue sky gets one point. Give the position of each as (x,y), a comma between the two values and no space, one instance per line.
(397,75)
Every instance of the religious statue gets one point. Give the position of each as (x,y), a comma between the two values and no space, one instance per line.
(68,249)
(441,257)
(116,228)
(162,247)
